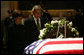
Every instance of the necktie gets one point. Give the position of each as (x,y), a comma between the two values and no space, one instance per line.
(38,25)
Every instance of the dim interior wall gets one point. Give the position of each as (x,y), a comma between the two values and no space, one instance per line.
(6,5)
(53,13)
(4,8)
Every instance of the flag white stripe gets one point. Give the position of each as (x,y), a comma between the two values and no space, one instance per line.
(61,47)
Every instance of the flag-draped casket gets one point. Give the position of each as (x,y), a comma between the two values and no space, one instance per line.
(56,46)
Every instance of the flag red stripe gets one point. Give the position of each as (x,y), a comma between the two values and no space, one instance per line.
(61,42)
(64,42)
(64,52)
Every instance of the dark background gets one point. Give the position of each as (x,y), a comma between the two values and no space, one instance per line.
(27,5)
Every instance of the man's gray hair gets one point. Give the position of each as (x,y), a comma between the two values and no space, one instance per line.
(36,7)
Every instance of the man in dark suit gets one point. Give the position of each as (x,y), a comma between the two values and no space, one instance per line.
(9,20)
(9,24)
(45,15)
(34,24)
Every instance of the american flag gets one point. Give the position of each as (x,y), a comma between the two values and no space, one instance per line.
(56,46)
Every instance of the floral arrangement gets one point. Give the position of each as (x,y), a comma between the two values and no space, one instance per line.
(51,28)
